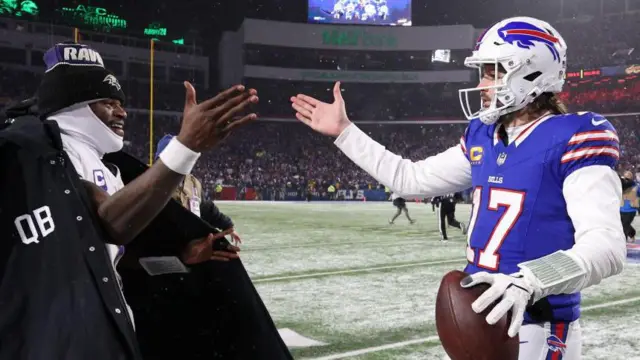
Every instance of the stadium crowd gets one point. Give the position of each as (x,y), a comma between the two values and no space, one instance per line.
(277,155)
(280,156)
(602,41)
(285,156)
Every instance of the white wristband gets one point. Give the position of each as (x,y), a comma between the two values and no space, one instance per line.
(554,274)
(178,157)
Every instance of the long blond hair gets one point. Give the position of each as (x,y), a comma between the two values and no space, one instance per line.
(548,102)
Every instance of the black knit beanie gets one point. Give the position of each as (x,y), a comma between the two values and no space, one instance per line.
(75,73)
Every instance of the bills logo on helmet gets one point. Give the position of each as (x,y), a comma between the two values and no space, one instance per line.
(525,35)
(555,344)
(98,179)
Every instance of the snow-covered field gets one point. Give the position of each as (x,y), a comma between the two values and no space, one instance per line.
(339,274)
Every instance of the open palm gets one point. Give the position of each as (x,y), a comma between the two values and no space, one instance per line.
(328,119)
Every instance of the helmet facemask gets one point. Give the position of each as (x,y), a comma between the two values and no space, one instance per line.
(503,101)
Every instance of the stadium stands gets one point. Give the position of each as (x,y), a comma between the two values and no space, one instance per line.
(276,155)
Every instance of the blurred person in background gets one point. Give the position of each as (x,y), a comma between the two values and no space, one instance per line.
(629,206)
(401,205)
(446,205)
(189,194)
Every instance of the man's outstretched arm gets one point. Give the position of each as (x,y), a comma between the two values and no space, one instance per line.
(128,211)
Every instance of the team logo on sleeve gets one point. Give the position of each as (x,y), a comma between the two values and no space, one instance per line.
(98,179)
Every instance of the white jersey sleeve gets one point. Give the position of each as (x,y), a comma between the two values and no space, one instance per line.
(593,195)
(446,172)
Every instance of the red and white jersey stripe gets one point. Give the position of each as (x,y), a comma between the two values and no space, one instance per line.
(591,151)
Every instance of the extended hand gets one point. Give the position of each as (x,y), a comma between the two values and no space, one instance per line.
(204,125)
(328,119)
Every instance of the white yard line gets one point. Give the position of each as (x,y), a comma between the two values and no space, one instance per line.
(376,349)
(611,303)
(433,338)
(323,245)
(341,272)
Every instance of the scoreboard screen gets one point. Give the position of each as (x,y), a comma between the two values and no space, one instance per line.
(360,12)
(15,8)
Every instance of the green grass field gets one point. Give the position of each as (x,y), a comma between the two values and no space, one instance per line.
(338,273)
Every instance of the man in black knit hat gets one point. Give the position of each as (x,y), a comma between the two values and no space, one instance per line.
(60,206)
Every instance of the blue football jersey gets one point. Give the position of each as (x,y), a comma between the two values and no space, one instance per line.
(519,212)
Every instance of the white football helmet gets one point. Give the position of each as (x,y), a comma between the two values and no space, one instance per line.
(532,53)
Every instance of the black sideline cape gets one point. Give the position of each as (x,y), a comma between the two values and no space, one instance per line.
(213,312)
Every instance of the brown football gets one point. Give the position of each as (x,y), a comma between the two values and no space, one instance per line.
(464,334)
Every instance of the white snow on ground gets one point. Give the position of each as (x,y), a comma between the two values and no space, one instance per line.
(338,273)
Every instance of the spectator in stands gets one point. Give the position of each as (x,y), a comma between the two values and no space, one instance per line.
(629,206)
(189,194)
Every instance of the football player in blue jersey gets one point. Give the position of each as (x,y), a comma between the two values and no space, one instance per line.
(545,221)
(629,206)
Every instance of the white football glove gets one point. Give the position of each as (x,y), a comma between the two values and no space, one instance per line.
(515,290)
